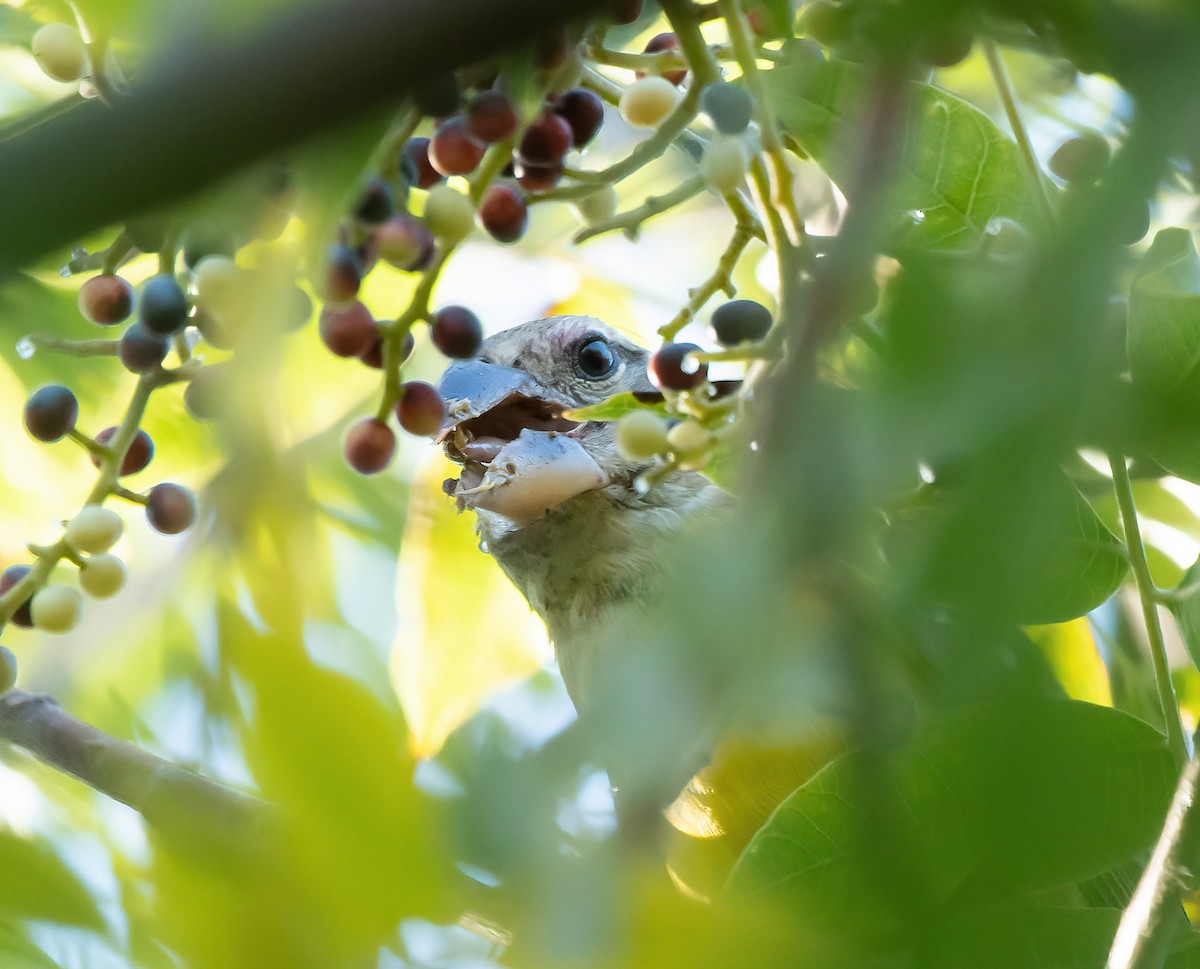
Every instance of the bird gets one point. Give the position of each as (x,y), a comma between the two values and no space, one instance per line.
(565,515)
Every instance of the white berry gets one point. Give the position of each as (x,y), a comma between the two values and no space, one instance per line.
(94,529)
(724,165)
(647,101)
(60,52)
(102,576)
(56,608)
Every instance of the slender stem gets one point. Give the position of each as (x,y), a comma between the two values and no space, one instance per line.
(74,348)
(647,63)
(632,220)
(1008,99)
(1145,586)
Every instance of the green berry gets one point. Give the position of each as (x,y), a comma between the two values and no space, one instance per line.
(60,52)
(1082,159)
(641,434)
(688,437)
(56,608)
(723,165)
(449,214)
(598,206)
(102,576)
(94,529)
(829,24)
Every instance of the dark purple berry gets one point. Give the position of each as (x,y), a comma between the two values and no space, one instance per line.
(10,577)
(671,368)
(374,355)
(546,140)
(164,306)
(503,213)
(419,169)
(740,321)
(420,409)
(139,453)
(171,508)
(538,178)
(374,205)
(106,299)
(343,273)
(51,412)
(140,350)
(348,331)
(584,112)
(456,332)
(453,151)
(491,117)
(369,446)
(665,42)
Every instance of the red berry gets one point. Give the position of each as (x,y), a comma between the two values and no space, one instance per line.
(106,299)
(405,242)
(369,446)
(503,213)
(51,412)
(10,577)
(343,273)
(415,164)
(664,42)
(374,355)
(348,331)
(584,112)
(546,141)
(420,409)
(140,350)
(538,178)
(452,150)
(171,508)
(138,455)
(491,117)
(456,332)
(670,370)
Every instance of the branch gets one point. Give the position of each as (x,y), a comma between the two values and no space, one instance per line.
(182,805)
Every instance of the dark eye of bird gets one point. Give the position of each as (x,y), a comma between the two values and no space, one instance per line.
(596,359)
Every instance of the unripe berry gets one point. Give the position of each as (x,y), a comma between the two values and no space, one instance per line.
(646,102)
(946,45)
(8,670)
(666,42)
(94,530)
(416,166)
(56,608)
(404,242)
(448,213)
(420,409)
(1082,159)
(140,453)
(348,331)
(728,106)
(102,576)
(641,434)
(140,350)
(205,394)
(106,299)
(60,52)
(503,213)
(206,239)
(599,205)
(171,508)
(740,321)
(491,117)
(51,412)
(584,112)
(688,436)
(452,150)
(671,367)
(164,307)
(723,165)
(829,24)
(10,577)
(219,285)
(369,446)
(456,332)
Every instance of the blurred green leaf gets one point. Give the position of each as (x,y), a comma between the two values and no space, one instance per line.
(38,885)
(17,952)
(1187,612)
(957,169)
(993,801)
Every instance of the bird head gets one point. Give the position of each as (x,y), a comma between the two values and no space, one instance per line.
(507,422)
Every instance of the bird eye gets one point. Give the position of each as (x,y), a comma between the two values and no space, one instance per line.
(595,359)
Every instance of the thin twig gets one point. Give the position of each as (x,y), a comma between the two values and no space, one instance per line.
(632,220)
(74,348)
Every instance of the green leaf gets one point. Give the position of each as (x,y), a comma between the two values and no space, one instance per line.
(984,804)
(1187,612)
(38,885)
(957,168)
(615,408)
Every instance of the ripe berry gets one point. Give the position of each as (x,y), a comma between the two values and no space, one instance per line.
(666,42)
(453,151)
(456,332)
(10,577)
(343,273)
(374,356)
(405,242)
(723,165)
(348,331)
(374,205)
(106,299)
(102,576)
(140,350)
(546,140)
(448,213)
(437,95)
(164,306)
(50,413)
(94,530)
(599,205)
(641,434)
(728,106)
(740,321)
(204,395)
(139,454)
(1082,159)
(171,508)
(491,117)
(56,608)
(584,112)
(60,52)
(537,178)
(646,102)
(369,446)
(420,409)
(672,369)
(415,164)
(503,213)
(8,670)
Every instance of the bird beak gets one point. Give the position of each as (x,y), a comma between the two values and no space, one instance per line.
(471,388)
